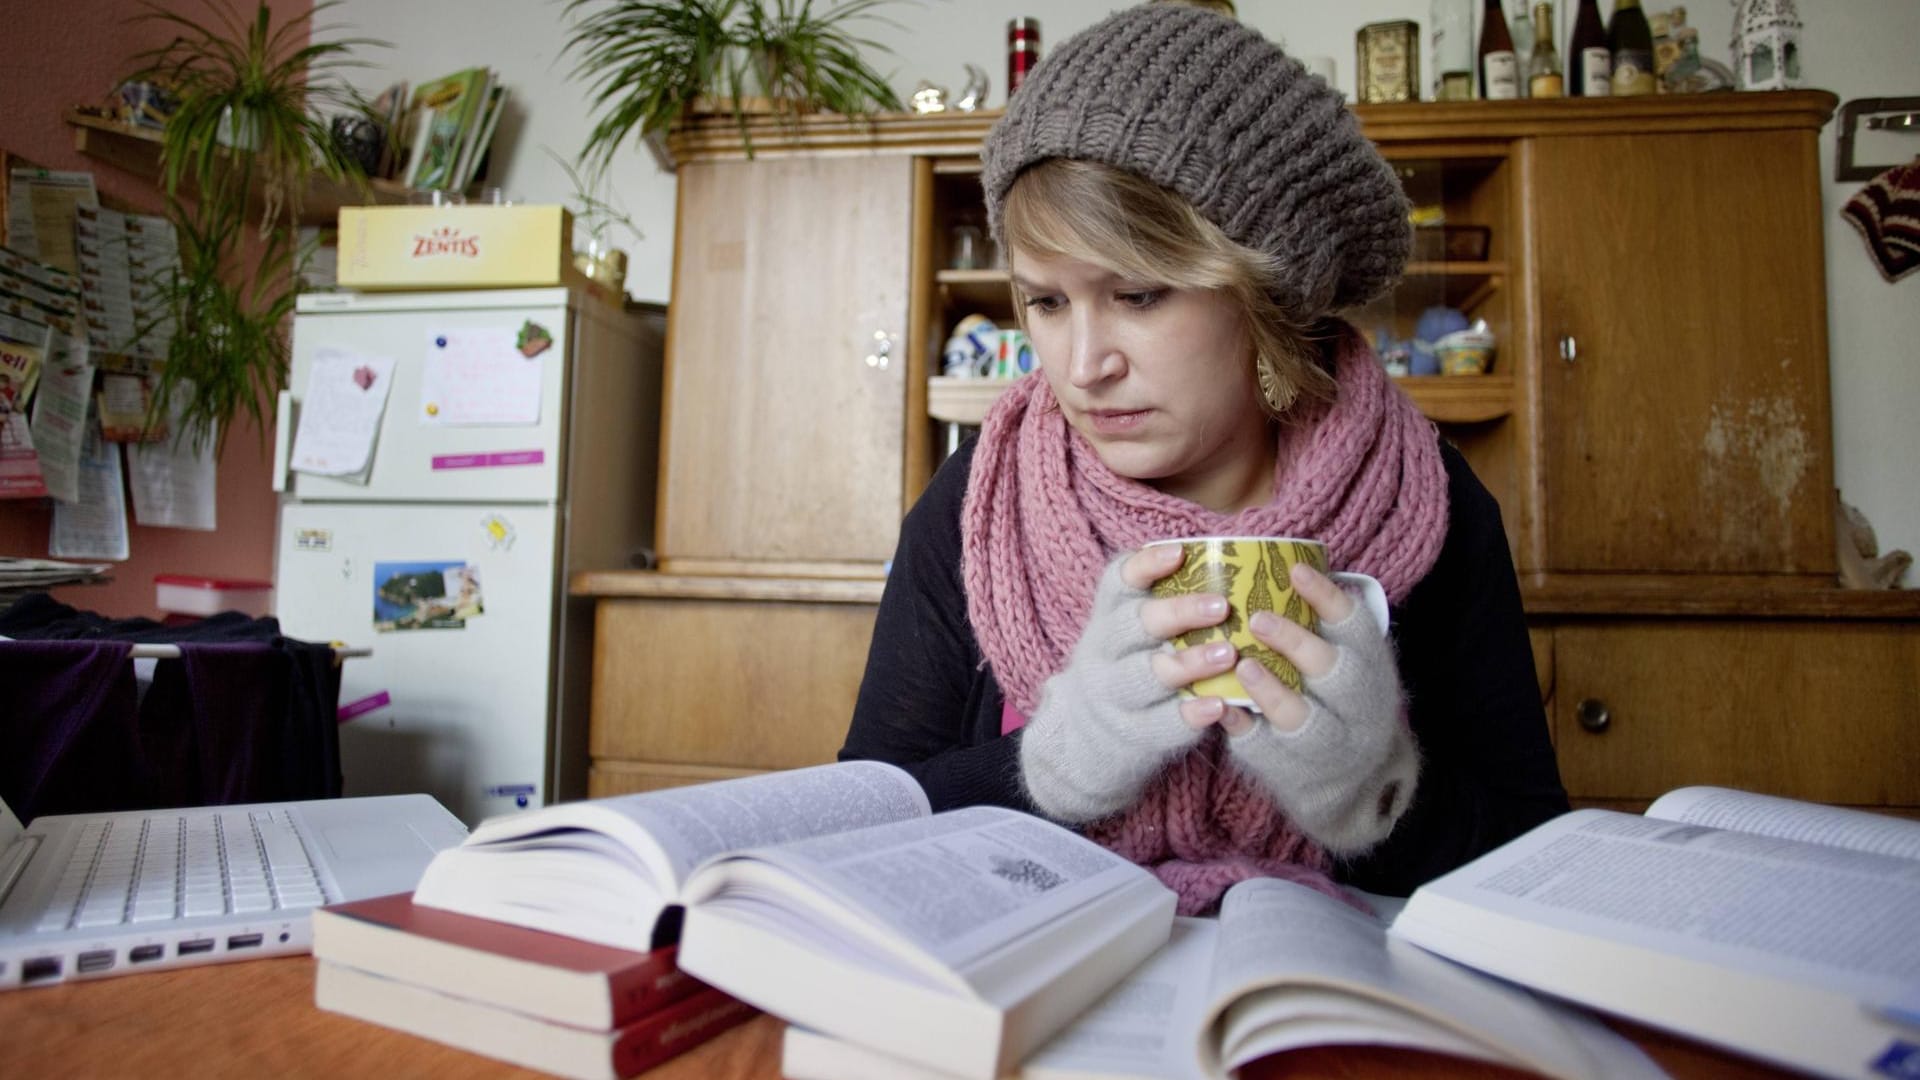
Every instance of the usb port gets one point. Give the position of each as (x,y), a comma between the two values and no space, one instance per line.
(143,953)
(188,948)
(40,969)
(243,941)
(97,960)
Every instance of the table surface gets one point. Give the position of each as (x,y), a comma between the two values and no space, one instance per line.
(257,1018)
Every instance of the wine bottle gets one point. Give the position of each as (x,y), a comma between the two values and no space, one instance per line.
(1520,28)
(1499,67)
(1589,62)
(1543,65)
(1630,41)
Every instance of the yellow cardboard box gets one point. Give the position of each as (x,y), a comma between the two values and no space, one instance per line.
(437,247)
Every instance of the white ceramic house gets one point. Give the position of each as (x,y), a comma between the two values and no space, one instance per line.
(1766,44)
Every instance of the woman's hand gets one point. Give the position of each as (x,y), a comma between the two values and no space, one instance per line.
(1282,706)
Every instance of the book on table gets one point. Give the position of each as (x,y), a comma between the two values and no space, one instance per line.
(566,1050)
(832,897)
(544,975)
(1782,929)
(1283,968)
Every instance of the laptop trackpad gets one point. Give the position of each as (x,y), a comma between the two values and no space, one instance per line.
(355,843)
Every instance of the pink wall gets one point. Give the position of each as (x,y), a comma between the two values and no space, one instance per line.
(65,55)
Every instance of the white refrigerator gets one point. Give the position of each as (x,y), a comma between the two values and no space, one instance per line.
(517,445)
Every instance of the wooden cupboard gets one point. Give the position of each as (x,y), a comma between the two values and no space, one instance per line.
(1655,428)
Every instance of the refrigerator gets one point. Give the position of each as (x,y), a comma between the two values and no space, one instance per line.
(516,445)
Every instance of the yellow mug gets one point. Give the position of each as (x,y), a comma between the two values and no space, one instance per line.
(1253,573)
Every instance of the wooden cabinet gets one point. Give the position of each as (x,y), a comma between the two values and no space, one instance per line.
(786,374)
(1655,428)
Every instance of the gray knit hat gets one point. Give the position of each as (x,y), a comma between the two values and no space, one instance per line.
(1200,104)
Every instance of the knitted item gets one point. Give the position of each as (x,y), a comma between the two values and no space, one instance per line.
(1887,213)
(1103,729)
(1207,107)
(1043,516)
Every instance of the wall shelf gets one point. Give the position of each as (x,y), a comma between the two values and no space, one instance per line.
(137,150)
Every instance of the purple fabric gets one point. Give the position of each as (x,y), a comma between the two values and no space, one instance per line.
(66,725)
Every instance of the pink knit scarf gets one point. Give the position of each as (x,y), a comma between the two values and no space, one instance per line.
(1043,516)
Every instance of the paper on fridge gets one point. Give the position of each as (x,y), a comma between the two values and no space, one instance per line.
(474,376)
(95,527)
(174,481)
(340,413)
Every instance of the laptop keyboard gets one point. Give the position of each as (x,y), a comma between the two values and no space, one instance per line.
(201,862)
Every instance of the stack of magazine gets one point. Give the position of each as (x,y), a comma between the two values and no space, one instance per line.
(448,126)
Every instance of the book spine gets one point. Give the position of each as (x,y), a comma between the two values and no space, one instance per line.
(677,1029)
(659,983)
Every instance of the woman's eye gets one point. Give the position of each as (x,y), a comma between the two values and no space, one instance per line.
(1045,305)
(1141,299)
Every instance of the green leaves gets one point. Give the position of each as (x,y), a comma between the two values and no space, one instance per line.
(647,62)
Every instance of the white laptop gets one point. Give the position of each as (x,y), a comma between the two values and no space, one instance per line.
(90,895)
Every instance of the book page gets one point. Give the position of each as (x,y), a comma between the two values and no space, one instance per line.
(1294,967)
(1847,922)
(1790,819)
(953,887)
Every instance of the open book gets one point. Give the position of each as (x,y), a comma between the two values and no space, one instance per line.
(1283,968)
(1781,929)
(831,898)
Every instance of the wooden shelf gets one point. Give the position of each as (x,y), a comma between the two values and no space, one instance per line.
(137,150)
(991,289)
(1446,399)
(1709,596)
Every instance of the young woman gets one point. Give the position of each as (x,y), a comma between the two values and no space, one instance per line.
(1184,208)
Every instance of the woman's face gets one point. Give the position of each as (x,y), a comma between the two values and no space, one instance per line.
(1159,380)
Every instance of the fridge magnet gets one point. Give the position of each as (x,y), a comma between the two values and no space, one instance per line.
(532,340)
(425,595)
(499,532)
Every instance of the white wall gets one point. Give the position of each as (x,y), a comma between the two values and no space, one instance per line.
(1856,48)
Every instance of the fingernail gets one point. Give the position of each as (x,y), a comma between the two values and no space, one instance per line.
(1213,607)
(1219,652)
(1251,672)
(1264,622)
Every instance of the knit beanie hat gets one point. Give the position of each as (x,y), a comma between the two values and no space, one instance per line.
(1200,104)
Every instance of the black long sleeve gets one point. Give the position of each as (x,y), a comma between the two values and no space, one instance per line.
(928,703)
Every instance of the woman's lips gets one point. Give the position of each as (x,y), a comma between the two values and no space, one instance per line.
(1116,421)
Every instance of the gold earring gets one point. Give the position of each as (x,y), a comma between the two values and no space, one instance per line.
(1272,390)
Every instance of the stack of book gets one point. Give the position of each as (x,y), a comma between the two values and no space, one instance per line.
(558,1004)
(449,126)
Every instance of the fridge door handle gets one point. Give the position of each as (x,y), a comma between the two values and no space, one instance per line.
(282,438)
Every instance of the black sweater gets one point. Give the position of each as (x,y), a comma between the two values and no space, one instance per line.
(929,704)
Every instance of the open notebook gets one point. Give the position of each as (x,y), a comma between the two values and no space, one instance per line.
(85,895)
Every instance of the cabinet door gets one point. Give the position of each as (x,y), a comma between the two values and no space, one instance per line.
(1691,431)
(1828,711)
(786,367)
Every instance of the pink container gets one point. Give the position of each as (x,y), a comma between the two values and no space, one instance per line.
(184,594)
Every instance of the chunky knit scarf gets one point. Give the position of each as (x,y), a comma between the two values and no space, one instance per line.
(1043,517)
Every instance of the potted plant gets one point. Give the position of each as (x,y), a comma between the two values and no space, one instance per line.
(650,63)
(245,125)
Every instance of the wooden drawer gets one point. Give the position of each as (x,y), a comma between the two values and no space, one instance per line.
(733,684)
(1827,711)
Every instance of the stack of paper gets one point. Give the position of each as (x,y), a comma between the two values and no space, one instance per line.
(19,576)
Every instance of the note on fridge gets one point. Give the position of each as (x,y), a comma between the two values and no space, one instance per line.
(476,376)
(340,414)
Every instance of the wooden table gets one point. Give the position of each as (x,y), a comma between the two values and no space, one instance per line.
(257,1019)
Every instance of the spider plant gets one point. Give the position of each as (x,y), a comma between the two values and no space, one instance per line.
(646,63)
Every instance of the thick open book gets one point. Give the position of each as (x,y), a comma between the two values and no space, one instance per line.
(831,898)
(1283,968)
(1781,929)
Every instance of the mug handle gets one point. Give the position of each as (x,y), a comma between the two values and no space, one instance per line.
(1371,594)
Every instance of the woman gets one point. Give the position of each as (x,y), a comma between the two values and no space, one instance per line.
(1183,208)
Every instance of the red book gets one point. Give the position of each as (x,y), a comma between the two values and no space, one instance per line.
(543,975)
(527,1040)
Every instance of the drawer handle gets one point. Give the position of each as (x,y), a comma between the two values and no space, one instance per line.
(1592,715)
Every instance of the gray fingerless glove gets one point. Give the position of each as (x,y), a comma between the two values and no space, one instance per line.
(1347,774)
(1105,723)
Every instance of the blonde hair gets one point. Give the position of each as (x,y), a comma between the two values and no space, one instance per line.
(1130,226)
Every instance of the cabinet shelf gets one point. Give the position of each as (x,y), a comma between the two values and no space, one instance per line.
(976,289)
(1446,399)
(137,150)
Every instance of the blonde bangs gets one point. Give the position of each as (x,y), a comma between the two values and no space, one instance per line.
(1132,227)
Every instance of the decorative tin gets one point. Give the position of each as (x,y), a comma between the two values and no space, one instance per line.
(1389,59)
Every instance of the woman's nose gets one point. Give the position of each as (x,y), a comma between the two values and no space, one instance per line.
(1096,356)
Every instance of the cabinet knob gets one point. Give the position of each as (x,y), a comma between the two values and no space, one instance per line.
(1569,348)
(882,353)
(1592,714)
